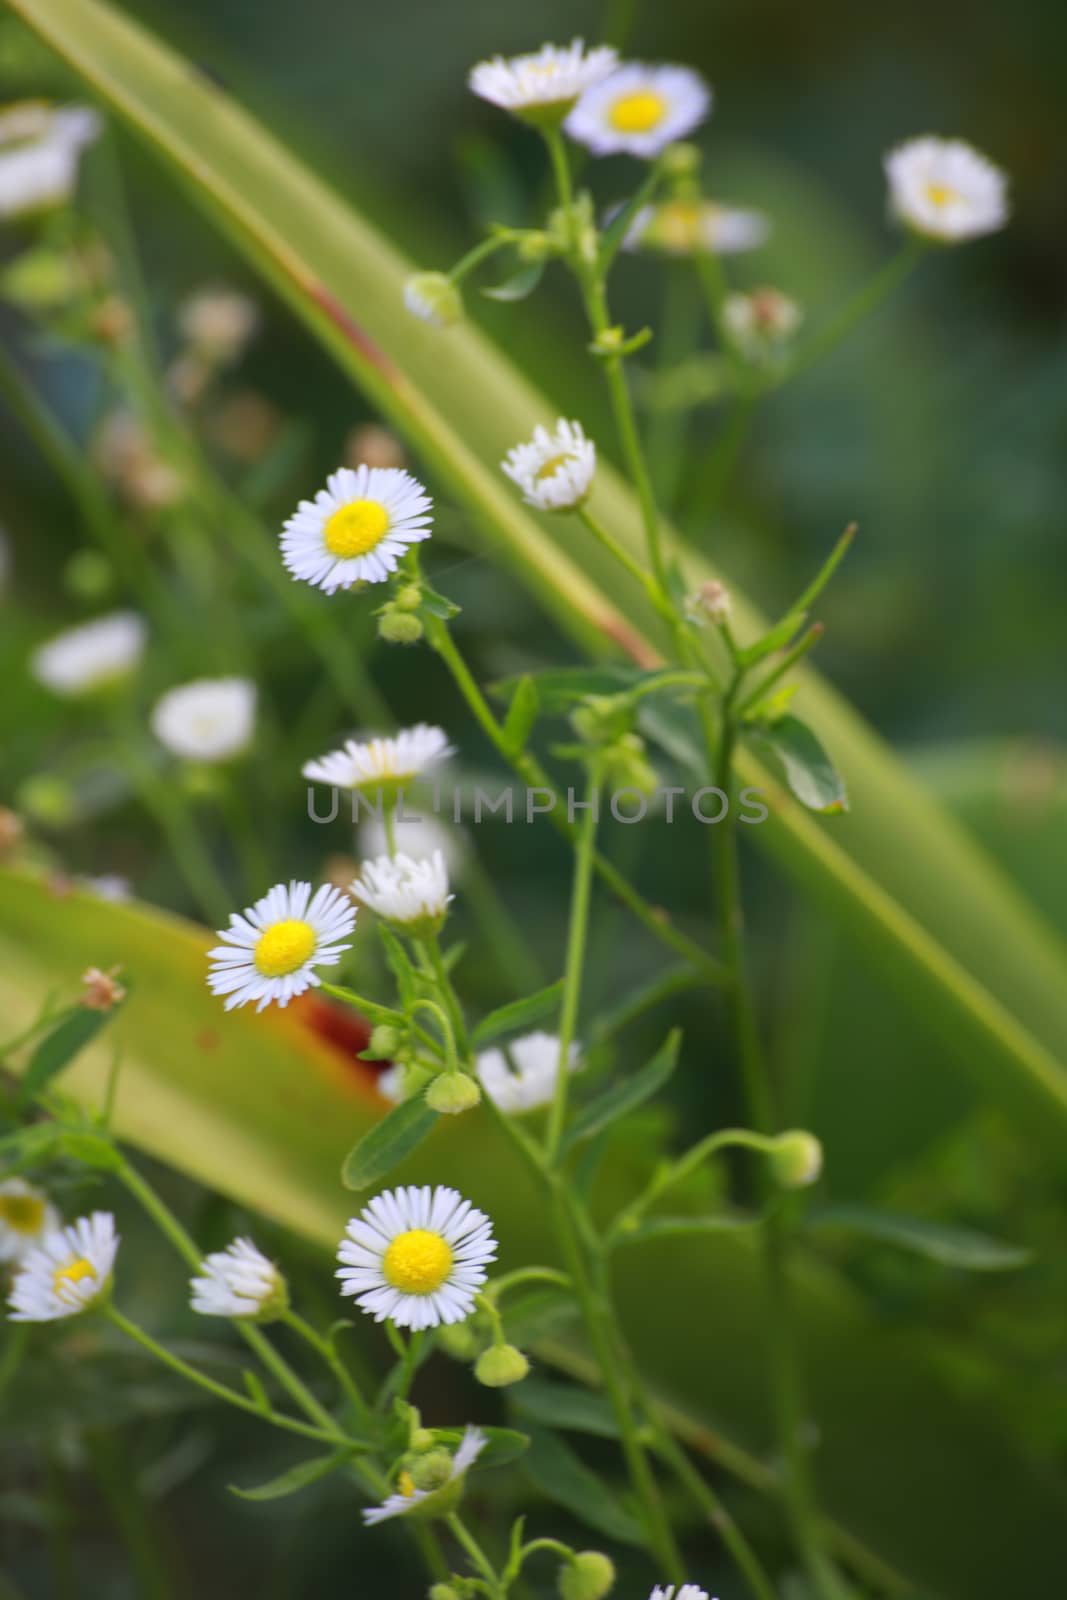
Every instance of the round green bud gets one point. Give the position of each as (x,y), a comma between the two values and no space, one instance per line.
(453,1092)
(430,1471)
(434,298)
(399,627)
(88,575)
(602,718)
(384,1041)
(408,597)
(589,1576)
(458,1340)
(681,160)
(500,1365)
(423,1439)
(40,280)
(796,1159)
(627,766)
(443,1591)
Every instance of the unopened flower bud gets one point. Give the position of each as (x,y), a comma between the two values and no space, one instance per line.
(711,603)
(453,1092)
(589,1576)
(443,1591)
(434,298)
(101,991)
(796,1159)
(48,800)
(399,627)
(626,765)
(384,1041)
(408,597)
(89,575)
(501,1365)
(761,321)
(602,718)
(431,1470)
(681,160)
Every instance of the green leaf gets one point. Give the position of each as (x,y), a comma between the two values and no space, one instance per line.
(438,605)
(808,771)
(298,1477)
(559,688)
(522,714)
(947,1243)
(58,1048)
(552,1466)
(401,966)
(565,1405)
(256,1391)
(400,1132)
(626,1095)
(519,1014)
(775,639)
(503,1445)
(522,283)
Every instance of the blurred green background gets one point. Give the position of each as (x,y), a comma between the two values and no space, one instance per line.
(940,428)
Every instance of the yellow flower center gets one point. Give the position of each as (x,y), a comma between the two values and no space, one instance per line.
(284,947)
(550,468)
(638,112)
(940,194)
(22,1212)
(417,1262)
(74,1272)
(406,1484)
(676,225)
(356,528)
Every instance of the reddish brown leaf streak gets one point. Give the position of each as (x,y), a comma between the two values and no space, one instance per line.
(357,338)
(627,639)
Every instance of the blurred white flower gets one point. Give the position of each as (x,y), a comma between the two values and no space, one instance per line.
(761,320)
(553,470)
(688,227)
(433,298)
(688,1591)
(416,1256)
(357,528)
(238,1282)
(545,82)
(413,894)
(218,323)
(946,190)
(367,765)
(26,1216)
(40,148)
(416,835)
(92,655)
(208,720)
(66,1272)
(271,951)
(640,109)
(108,886)
(525,1077)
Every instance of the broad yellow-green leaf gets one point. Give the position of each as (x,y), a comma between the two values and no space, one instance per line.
(260,1109)
(933,912)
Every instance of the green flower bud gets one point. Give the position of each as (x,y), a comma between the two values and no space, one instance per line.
(384,1041)
(453,1092)
(796,1159)
(423,1439)
(602,718)
(500,1365)
(458,1340)
(88,575)
(48,800)
(681,160)
(589,1576)
(399,627)
(408,597)
(627,767)
(434,298)
(40,280)
(430,1471)
(443,1591)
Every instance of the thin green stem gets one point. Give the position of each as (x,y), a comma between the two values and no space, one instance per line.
(327,1351)
(432,948)
(479,253)
(577,938)
(478,1557)
(786,664)
(651,588)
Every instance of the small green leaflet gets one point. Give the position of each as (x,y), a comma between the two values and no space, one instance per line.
(76,1029)
(627,1094)
(520,284)
(298,1477)
(387,1143)
(809,774)
(952,1246)
(522,714)
(566,1406)
(518,1014)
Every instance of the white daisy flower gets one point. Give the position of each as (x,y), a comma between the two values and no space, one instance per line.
(66,1272)
(379,763)
(238,1282)
(218,323)
(416,1256)
(208,720)
(553,470)
(90,656)
(524,1077)
(688,1591)
(945,190)
(543,85)
(412,894)
(408,1498)
(26,1216)
(689,227)
(40,147)
(640,109)
(271,951)
(357,528)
